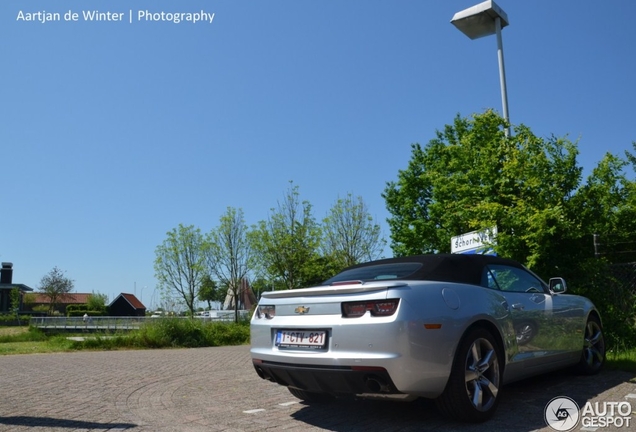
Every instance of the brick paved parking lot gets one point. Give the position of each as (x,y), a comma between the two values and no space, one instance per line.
(216,389)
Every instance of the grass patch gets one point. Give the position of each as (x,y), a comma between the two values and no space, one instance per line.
(159,333)
(28,348)
(13,330)
(624,359)
(32,341)
(21,334)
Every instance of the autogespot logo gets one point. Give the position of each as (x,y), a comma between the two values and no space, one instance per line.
(562,414)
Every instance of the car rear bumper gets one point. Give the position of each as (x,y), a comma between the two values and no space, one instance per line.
(335,380)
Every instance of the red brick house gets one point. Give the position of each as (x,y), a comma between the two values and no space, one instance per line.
(63,300)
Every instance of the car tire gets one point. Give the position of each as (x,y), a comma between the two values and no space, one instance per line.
(310,396)
(593,355)
(473,389)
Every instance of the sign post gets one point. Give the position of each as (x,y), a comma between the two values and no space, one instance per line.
(475,242)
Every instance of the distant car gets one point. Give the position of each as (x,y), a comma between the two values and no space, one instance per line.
(453,328)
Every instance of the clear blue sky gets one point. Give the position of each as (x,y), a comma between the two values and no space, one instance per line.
(112,133)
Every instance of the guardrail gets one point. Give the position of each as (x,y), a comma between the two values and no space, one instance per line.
(92,323)
(108,323)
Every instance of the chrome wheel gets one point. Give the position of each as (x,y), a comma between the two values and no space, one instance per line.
(482,375)
(472,392)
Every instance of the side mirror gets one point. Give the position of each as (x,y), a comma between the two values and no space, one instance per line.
(558,285)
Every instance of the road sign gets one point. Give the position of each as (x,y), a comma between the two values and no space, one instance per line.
(480,242)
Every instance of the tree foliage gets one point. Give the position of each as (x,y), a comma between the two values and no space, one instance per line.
(180,264)
(350,234)
(471,177)
(287,243)
(606,208)
(606,204)
(54,285)
(28,299)
(97,302)
(14,298)
(211,292)
(229,253)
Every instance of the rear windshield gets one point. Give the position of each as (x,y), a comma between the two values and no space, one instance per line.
(377,272)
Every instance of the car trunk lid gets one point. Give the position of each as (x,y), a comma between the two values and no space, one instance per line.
(353,287)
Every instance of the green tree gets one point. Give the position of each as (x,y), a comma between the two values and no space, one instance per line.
(211,292)
(261,284)
(28,300)
(180,265)
(606,206)
(287,243)
(350,235)
(97,302)
(55,285)
(471,177)
(15,297)
(230,253)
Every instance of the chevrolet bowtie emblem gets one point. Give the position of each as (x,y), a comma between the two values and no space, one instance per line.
(301,310)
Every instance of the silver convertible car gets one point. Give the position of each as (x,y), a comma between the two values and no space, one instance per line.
(453,328)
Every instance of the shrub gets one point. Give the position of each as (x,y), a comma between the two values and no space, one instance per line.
(80,313)
(615,300)
(81,309)
(41,308)
(12,319)
(105,343)
(189,333)
(220,333)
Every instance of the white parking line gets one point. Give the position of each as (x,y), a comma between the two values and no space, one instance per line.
(284,404)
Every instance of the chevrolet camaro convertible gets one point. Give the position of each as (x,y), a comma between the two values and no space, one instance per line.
(453,328)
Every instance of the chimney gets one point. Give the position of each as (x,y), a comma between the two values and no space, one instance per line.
(6,274)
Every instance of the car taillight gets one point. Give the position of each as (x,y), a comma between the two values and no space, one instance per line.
(375,307)
(266,311)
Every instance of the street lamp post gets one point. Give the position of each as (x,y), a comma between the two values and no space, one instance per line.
(486,19)
(152,299)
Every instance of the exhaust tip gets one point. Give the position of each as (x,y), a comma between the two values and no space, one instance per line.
(260,372)
(376,385)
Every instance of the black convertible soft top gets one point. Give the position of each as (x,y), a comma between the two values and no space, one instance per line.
(435,267)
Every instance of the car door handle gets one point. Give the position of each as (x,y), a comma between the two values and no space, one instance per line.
(517,306)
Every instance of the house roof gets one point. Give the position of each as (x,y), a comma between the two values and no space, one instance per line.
(69,298)
(131,299)
(22,287)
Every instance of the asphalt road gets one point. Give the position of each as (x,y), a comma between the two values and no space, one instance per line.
(216,389)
